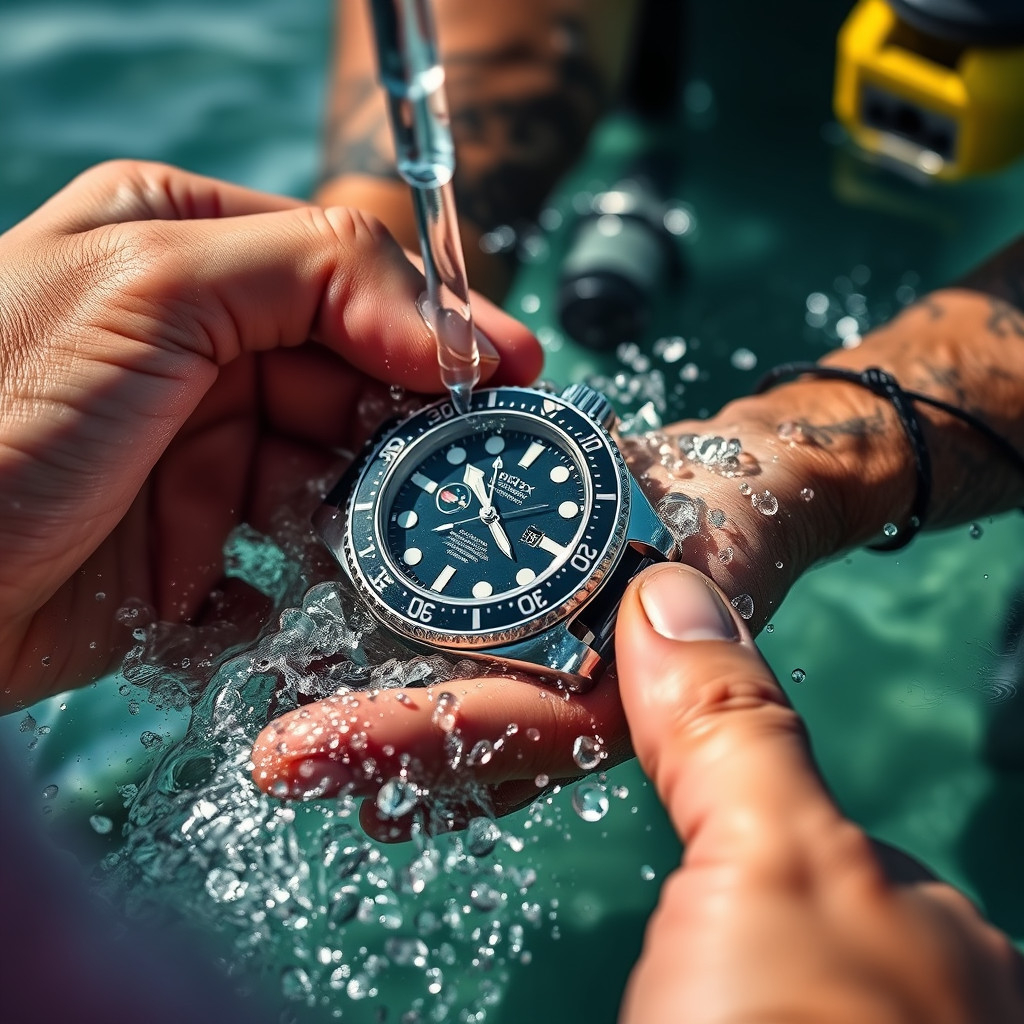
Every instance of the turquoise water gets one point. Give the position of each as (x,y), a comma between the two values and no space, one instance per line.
(905,688)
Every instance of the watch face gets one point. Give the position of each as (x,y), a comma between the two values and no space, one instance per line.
(479,529)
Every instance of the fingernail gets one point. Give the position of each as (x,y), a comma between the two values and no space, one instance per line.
(484,345)
(681,605)
(488,353)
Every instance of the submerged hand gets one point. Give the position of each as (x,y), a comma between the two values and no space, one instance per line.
(781,909)
(157,391)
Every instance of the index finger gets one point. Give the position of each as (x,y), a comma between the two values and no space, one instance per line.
(119,191)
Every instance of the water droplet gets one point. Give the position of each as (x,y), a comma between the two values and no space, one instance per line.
(101,824)
(396,798)
(745,488)
(975,531)
(150,739)
(482,836)
(806,493)
(725,555)
(770,628)
(588,752)
(744,604)
(590,801)
(778,565)
(359,987)
(45,660)
(798,675)
(100,595)
(540,781)
(716,517)
(647,873)
(27,724)
(743,359)
(485,897)
(407,952)
(344,904)
(890,529)
(681,514)
(50,792)
(482,752)
(296,983)
(766,503)
(445,712)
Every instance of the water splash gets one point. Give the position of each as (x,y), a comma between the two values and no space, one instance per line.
(296,889)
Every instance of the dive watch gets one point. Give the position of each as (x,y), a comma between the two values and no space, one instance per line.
(506,533)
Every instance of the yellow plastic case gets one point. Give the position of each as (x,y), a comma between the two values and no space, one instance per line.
(943,110)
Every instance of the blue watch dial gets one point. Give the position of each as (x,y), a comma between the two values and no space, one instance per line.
(482,529)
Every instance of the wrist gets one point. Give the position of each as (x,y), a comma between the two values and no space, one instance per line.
(817,473)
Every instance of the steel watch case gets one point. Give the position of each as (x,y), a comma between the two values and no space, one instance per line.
(573,639)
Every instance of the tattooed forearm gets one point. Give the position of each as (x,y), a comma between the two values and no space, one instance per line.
(520,117)
(358,134)
(520,112)
(826,434)
(1006,320)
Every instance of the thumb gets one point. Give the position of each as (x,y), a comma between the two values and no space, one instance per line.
(709,722)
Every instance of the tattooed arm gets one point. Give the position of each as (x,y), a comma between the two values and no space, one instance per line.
(525,82)
(834,455)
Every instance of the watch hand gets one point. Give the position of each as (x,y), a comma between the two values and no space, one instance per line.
(494,479)
(473,478)
(444,527)
(499,535)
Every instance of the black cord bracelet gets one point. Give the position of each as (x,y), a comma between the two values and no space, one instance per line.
(886,386)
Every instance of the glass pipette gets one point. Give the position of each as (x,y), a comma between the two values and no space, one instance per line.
(412,74)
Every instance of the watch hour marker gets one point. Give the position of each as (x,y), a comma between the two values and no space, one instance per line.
(605,497)
(476,618)
(482,589)
(424,483)
(568,509)
(531,455)
(525,576)
(559,475)
(363,506)
(456,455)
(444,577)
(412,556)
(494,444)
(407,520)
(552,547)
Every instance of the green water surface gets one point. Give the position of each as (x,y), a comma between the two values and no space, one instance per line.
(905,684)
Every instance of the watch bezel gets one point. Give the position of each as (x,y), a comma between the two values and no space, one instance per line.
(367,561)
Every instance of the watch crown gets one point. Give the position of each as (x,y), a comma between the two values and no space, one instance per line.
(591,403)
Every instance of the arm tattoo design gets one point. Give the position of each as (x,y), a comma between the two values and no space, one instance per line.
(358,134)
(825,434)
(520,117)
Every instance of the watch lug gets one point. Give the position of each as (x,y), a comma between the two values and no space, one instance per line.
(645,531)
(555,651)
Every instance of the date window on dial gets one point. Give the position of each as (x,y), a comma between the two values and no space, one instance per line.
(532,536)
